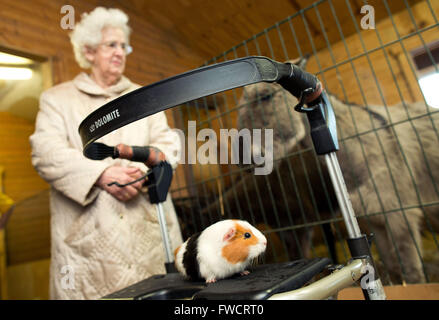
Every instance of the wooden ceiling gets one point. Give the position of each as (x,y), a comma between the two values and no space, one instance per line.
(210,27)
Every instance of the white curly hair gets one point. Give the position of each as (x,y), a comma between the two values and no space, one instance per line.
(88,31)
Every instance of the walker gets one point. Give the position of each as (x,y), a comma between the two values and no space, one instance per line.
(279,281)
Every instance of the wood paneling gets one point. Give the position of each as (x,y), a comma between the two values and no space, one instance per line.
(29,281)
(28,230)
(29,191)
(376,66)
(3,276)
(20,179)
(33,27)
(364,67)
(211,27)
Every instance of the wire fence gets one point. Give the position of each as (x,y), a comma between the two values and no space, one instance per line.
(378,82)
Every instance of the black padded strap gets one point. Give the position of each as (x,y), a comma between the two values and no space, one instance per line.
(182,88)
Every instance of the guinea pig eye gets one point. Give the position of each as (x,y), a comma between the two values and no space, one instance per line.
(247,235)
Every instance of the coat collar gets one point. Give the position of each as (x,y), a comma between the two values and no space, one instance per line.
(86,84)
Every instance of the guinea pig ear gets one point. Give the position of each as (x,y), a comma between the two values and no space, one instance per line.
(229,235)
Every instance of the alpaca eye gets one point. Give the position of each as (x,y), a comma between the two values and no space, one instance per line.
(247,235)
(266,97)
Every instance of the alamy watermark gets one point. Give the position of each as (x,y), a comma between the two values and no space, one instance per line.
(368,280)
(252,150)
(368,21)
(247,147)
(68,20)
(68,280)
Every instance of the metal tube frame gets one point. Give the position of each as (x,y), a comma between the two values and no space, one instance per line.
(373,290)
(327,286)
(342,195)
(165,236)
(322,122)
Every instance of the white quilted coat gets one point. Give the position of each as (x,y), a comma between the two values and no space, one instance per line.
(98,244)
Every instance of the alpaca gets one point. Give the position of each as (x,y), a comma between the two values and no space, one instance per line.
(389,165)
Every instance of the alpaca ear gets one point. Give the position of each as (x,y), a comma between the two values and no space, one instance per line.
(301,61)
(230,234)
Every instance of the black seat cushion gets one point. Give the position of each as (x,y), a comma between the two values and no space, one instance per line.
(261,283)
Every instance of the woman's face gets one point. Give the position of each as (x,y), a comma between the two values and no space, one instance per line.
(109,57)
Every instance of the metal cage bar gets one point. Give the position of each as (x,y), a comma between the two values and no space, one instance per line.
(284,40)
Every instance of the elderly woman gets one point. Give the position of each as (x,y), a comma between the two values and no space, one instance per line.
(103,238)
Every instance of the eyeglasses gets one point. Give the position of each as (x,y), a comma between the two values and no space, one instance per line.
(113,45)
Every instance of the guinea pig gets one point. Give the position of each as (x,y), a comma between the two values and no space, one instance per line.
(219,251)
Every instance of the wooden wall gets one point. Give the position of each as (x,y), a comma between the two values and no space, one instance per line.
(27,189)
(380,72)
(33,28)
(376,67)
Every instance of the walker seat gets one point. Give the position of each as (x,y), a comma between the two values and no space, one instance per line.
(261,283)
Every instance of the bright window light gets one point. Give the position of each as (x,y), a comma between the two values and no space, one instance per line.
(429,86)
(9,73)
(6,58)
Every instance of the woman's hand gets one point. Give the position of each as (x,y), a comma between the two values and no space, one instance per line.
(122,175)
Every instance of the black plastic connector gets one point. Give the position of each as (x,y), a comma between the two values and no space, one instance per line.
(159,181)
(140,154)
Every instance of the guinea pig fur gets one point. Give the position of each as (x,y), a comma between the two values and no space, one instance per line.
(219,251)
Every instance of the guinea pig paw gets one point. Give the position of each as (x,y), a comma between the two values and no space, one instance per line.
(211,280)
(245,273)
